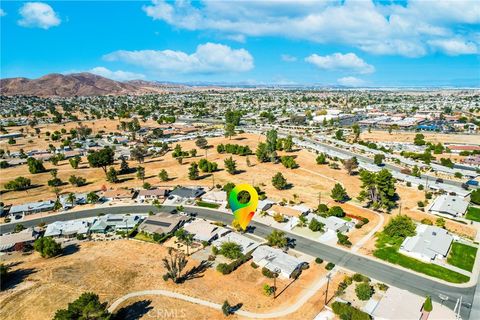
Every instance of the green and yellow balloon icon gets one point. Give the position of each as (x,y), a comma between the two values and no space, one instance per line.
(243,212)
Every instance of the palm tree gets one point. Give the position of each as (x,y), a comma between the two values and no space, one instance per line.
(92,197)
(71,198)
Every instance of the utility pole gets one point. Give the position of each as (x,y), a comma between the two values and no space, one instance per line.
(319,198)
(275,275)
(326,292)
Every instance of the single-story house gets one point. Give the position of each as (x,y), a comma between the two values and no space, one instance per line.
(449,205)
(284,211)
(276,260)
(204,230)
(429,243)
(332,223)
(118,194)
(215,196)
(247,244)
(67,228)
(153,194)
(32,207)
(187,193)
(162,223)
(17,241)
(80,198)
(115,222)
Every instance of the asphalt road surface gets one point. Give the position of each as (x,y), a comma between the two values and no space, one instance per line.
(372,268)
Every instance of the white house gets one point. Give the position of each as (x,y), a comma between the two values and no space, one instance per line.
(333,224)
(204,230)
(276,261)
(449,205)
(247,244)
(152,194)
(67,228)
(215,196)
(428,244)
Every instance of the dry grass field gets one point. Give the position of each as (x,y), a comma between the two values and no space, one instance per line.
(115,268)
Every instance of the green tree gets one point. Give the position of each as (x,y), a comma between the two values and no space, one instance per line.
(356,132)
(75,161)
(316,225)
(289,162)
(231,250)
(229,130)
(193,173)
(262,152)
(378,159)
(71,198)
(288,144)
(427,305)
(230,165)
(321,159)
(92,197)
(475,196)
(277,239)
(77,181)
(202,143)
(364,291)
(20,183)
(124,168)
(47,247)
(339,134)
(419,139)
(141,173)
(416,171)
(101,159)
(400,226)
(112,175)
(339,193)
(87,306)
(35,166)
(163,175)
(19,227)
(279,181)
(336,211)
(226,308)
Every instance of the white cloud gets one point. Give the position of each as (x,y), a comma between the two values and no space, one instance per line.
(350,82)
(455,47)
(379,28)
(339,61)
(288,58)
(38,15)
(2,13)
(208,58)
(118,75)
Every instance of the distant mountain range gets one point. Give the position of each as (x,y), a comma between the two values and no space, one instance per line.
(79,84)
(88,84)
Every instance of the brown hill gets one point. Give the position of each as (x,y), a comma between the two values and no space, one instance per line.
(75,84)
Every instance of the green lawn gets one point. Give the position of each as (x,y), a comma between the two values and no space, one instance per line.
(143,237)
(208,205)
(473,213)
(387,249)
(462,256)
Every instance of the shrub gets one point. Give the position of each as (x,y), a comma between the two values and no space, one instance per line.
(224,268)
(364,291)
(343,240)
(383,286)
(427,222)
(319,260)
(357,277)
(254,265)
(267,273)
(211,257)
(330,266)
(346,311)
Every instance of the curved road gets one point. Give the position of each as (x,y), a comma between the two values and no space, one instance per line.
(384,272)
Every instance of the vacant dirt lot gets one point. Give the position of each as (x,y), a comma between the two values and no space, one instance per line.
(112,269)
(396,136)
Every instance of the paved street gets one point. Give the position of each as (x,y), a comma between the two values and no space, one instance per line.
(370,267)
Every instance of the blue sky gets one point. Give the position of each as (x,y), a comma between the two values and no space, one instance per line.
(353,43)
